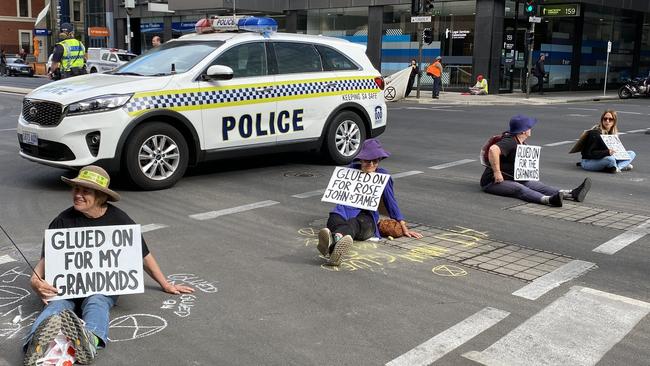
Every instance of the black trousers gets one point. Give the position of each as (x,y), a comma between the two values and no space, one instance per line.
(540,84)
(361,227)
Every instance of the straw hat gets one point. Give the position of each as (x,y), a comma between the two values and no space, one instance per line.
(93,177)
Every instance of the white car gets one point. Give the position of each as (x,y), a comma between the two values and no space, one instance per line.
(207,96)
(106,59)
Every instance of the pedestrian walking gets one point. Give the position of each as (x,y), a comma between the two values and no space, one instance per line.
(415,71)
(155,41)
(498,177)
(3,63)
(540,72)
(69,56)
(90,196)
(435,71)
(346,223)
(596,156)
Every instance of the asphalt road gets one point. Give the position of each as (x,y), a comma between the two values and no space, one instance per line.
(265,297)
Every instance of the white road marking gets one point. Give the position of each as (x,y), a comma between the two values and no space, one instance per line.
(636,131)
(152,227)
(445,342)
(560,143)
(232,210)
(406,174)
(624,112)
(453,163)
(622,133)
(583,109)
(7,129)
(319,192)
(549,281)
(578,115)
(577,329)
(447,110)
(6,259)
(621,241)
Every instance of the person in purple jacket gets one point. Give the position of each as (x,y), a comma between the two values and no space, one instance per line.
(346,224)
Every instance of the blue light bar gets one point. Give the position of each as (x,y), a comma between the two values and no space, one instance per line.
(258,24)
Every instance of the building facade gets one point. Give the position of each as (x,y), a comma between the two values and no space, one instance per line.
(473,37)
(17,19)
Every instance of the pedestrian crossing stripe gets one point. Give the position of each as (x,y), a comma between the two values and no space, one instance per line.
(225,96)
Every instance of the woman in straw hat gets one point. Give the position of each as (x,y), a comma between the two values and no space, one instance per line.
(346,223)
(90,197)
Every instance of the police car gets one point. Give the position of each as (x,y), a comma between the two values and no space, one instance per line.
(247,90)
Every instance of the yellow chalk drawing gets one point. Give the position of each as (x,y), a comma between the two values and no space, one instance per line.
(465,236)
(307,231)
(311,242)
(423,252)
(447,270)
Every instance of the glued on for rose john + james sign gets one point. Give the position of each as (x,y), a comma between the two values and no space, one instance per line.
(352,187)
(107,260)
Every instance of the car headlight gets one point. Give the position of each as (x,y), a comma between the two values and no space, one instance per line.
(98,104)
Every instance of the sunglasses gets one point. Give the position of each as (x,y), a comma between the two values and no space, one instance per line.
(374,161)
(608,119)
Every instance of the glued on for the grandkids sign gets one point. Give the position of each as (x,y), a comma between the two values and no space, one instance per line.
(614,142)
(352,187)
(83,261)
(527,162)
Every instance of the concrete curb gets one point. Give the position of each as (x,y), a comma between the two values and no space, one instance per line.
(495,100)
(14,90)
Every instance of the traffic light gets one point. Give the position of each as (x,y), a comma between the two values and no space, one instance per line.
(416,7)
(427,36)
(530,7)
(428,6)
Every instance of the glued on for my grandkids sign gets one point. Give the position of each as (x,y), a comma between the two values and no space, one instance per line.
(352,187)
(527,162)
(83,261)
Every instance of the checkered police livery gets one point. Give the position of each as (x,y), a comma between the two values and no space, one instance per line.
(217,97)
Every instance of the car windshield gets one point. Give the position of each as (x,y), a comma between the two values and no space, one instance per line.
(179,56)
(15,61)
(125,57)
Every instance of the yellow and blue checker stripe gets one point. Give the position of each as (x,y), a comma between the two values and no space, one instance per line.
(197,98)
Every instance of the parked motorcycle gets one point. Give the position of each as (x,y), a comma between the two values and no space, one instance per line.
(635,88)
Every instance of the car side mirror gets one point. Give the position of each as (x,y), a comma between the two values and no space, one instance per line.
(218,72)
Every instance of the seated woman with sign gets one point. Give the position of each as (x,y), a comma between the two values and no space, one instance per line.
(346,224)
(90,194)
(498,176)
(596,156)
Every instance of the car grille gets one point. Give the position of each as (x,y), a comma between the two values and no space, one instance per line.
(42,113)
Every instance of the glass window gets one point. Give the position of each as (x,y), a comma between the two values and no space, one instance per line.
(113,58)
(334,60)
(296,57)
(105,57)
(76,11)
(174,56)
(23,8)
(125,57)
(245,60)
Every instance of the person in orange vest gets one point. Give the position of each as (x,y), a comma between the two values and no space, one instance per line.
(435,71)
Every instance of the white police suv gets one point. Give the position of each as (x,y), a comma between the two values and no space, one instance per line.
(206,96)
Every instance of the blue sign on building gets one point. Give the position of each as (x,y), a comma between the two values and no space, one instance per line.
(151,27)
(42,32)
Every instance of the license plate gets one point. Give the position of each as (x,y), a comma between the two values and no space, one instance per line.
(30,138)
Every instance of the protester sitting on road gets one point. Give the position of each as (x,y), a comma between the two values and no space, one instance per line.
(596,156)
(90,194)
(346,223)
(498,177)
(481,86)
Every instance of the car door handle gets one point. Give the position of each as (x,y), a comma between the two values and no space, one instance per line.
(265,89)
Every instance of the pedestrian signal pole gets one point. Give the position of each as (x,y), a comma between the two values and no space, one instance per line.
(609,49)
(420,30)
(531,42)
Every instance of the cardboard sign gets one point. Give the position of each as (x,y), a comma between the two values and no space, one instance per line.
(614,142)
(527,162)
(83,261)
(352,187)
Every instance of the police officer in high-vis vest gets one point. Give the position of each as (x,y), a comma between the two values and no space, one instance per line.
(69,57)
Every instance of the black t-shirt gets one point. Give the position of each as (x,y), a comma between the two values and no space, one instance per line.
(72,218)
(508,146)
(594,147)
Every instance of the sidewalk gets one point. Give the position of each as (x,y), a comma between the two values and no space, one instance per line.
(516,98)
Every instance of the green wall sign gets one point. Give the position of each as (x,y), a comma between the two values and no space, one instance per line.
(560,10)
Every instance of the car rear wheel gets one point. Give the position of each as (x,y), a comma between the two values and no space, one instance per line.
(93,70)
(156,156)
(345,135)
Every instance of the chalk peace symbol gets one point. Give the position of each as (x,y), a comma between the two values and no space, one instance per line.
(10,295)
(446,270)
(390,93)
(134,326)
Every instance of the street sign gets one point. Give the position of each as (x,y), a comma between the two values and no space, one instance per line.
(42,32)
(561,10)
(421,19)
(534,19)
(609,46)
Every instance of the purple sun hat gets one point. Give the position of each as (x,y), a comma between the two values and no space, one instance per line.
(371,150)
(521,123)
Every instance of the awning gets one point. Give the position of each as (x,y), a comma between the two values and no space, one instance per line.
(42,14)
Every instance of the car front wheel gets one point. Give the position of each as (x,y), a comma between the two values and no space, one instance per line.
(156,156)
(345,135)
